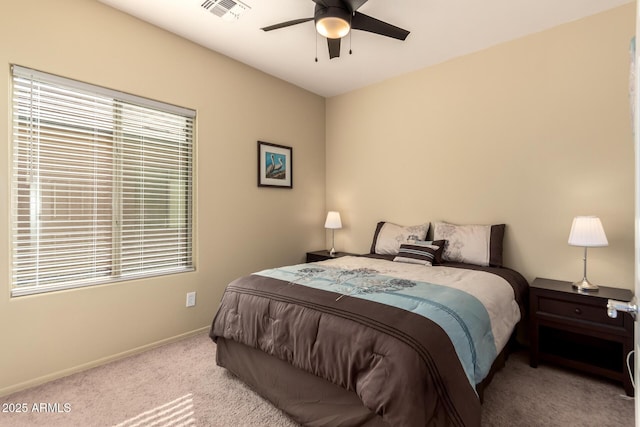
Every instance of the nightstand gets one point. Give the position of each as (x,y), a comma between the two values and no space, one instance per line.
(572,329)
(324,255)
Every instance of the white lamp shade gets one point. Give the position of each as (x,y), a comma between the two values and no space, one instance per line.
(587,231)
(333,220)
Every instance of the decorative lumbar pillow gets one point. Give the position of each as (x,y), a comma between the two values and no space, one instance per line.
(472,244)
(418,252)
(388,237)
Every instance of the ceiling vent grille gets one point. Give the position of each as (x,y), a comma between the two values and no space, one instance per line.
(229,10)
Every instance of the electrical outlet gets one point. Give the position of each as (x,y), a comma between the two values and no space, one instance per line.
(191,299)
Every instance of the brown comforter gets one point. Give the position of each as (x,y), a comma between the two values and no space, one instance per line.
(401,365)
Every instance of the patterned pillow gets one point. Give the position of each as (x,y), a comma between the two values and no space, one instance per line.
(418,252)
(388,236)
(472,244)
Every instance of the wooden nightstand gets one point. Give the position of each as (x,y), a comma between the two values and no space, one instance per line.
(324,255)
(572,329)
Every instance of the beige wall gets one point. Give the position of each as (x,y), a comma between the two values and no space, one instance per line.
(530,133)
(238,227)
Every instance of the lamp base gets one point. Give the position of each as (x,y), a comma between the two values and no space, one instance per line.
(585,286)
(332,252)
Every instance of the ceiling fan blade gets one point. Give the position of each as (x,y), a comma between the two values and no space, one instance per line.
(286,24)
(320,2)
(364,22)
(334,48)
(354,4)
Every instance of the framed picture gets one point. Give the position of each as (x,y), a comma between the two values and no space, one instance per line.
(275,165)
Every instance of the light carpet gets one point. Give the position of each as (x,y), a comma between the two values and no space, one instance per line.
(179,384)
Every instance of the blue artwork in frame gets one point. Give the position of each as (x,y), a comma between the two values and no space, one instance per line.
(275,165)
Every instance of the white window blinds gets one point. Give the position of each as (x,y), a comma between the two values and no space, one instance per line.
(101,185)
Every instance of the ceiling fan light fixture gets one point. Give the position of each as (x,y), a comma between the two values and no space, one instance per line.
(333,28)
(333,22)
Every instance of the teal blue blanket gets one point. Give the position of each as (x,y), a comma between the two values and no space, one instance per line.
(461,315)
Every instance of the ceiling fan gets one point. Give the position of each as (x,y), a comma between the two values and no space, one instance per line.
(335,18)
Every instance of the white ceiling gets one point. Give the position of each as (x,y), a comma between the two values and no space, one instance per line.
(440,30)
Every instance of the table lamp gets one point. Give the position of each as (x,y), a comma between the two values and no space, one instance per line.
(587,231)
(333,222)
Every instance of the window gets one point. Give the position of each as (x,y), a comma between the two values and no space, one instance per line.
(101,185)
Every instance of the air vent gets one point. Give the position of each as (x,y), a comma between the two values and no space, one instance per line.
(229,10)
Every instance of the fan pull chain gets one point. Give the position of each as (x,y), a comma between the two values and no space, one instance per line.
(350,52)
(316,46)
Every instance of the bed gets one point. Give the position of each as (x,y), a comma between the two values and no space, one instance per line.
(408,337)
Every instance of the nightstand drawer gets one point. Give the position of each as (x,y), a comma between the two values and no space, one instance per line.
(573,310)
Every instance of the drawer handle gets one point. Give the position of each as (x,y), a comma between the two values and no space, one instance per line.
(578,311)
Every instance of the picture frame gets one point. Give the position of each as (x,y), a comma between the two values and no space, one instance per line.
(275,165)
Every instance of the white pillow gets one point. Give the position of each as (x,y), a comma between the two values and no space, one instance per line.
(389,237)
(465,243)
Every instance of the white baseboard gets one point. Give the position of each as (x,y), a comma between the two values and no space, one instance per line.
(102,361)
